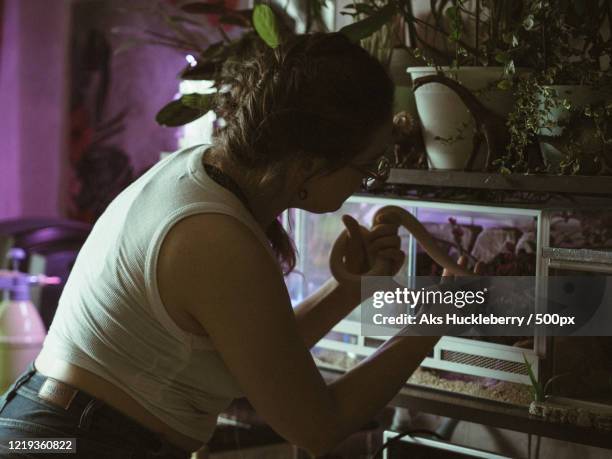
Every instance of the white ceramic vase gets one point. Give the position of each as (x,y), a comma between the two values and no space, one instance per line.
(444,116)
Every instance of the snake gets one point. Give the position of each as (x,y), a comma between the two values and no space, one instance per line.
(404,218)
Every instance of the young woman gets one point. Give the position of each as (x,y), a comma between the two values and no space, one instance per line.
(177,304)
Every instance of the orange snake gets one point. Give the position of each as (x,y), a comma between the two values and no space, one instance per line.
(380,268)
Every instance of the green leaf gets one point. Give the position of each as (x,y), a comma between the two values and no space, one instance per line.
(361,8)
(502,58)
(451,12)
(201,102)
(366,27)
(265,25)
(205,8)
(537,388)
(504,84)
(176,113)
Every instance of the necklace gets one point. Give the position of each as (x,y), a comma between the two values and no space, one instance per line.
(226,182)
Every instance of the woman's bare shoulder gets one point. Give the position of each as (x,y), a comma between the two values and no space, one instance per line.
(211,248)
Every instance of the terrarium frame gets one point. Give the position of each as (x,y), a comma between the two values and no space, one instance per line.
(461,355)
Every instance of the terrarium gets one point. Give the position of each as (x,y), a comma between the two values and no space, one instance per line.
(508,241)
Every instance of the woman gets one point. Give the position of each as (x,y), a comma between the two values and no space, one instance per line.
(176,303)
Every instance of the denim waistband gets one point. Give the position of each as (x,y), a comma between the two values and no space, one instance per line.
(89,411)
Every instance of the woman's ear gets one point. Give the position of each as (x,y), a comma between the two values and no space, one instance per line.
(304,167)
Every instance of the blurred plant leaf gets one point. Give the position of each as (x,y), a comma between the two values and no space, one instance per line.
(366,27)
(359,8)
(265,25)
(536,388)
(201,102)
(551,380)
(184,110)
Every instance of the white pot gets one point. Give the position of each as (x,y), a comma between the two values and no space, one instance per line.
(444,116)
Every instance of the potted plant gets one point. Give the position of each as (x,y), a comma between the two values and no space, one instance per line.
(562,410)
(478,47)
(485,56)
(205,60)
(566,102)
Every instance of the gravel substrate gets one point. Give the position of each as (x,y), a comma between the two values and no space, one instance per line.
(517,394)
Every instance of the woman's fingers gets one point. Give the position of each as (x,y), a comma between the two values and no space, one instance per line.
(356,255)
(463,261)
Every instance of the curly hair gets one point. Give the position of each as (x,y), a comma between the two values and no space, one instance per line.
(315,97)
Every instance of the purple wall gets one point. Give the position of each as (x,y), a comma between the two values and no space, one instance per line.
(35,59)
(9,96)
(33,97)
(143,78)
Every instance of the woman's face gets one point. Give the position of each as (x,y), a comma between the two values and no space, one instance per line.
(328,191)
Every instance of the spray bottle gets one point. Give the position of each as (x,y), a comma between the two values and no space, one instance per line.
(22,331)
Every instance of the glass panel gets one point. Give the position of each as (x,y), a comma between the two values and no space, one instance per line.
(585,361)
(588,229)
(505,244)
(315,235)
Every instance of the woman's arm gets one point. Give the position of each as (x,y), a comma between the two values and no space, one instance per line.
(318,313)
(214,269)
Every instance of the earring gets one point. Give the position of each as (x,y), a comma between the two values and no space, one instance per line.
(302,194)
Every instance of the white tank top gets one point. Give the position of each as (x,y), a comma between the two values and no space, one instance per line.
(111,320)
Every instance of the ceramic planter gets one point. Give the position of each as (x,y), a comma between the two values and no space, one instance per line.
(447,125)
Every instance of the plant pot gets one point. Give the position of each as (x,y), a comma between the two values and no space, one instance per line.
(447,124)
(554,117)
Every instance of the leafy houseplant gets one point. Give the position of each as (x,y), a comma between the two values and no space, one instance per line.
(561,42)
(484,59)
(565,103)
(475,43)
(260,23)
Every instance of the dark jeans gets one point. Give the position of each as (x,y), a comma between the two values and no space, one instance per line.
(101,431)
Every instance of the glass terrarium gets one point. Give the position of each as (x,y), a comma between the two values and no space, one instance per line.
(508,242)
(504,240)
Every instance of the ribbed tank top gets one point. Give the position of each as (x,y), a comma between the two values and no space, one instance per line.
(110,318)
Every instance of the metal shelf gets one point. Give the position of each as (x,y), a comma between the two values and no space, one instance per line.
(573,184)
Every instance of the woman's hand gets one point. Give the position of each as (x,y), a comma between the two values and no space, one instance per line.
(365,246)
